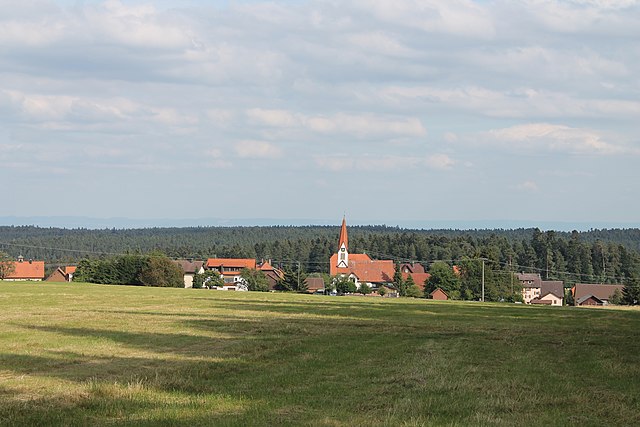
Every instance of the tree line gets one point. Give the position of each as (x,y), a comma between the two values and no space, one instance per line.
(155,269)
(597,256)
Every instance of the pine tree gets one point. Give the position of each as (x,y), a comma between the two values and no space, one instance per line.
(412,290)
(631,292)
(294,280)
(398,282)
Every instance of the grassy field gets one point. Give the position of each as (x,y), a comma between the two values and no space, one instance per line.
(75,354)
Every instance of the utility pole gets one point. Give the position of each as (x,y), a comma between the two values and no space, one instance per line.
(298,276)
(547,260)
(482,279)
(511,273)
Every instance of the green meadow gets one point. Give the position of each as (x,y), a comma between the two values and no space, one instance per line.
(80,354)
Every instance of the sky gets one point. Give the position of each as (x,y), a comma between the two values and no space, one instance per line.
(385,111)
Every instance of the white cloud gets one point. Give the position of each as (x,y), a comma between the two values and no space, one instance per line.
(383,163)
(519,102)
(554,138)
(171,117)
(379,42)
(440,161)
(257,149)
(220,117)
(275,118)
(550,62)
(64,112)
(360,125)
(456,17)
(581,15)
(139,26)
(345,86)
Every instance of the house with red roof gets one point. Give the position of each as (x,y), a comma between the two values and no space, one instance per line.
(230,270)
(274,275)
(26,270)
(359,267)
(416,272)
(62,274)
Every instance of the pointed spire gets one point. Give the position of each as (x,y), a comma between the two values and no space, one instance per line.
(343,235)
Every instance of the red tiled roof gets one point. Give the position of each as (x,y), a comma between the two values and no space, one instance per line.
(231,263)
(412,268)
(70,269)
(266,266)
(230,273)
(365,269)
(271,271)
(358,258)
(418,278)
(27,270)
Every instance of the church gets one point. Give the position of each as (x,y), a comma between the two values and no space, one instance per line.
(359,267)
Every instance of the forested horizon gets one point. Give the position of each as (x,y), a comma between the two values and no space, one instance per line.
(599,255)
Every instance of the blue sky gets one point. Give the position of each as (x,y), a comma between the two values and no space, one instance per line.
(386,110)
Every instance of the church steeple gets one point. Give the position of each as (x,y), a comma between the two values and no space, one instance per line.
(343,246)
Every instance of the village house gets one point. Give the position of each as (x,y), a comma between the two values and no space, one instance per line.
(439,295)
(530,283)
(359,267)
(62,274)
(551,293)
(189,269)
(274,275)
(538,291)
(314,284)
(594,294)
(26,270)
(230,270)
(416,272)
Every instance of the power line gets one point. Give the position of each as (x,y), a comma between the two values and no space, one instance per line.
(82,251)
(60,249)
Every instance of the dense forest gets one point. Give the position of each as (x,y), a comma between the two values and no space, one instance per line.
(607,256)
